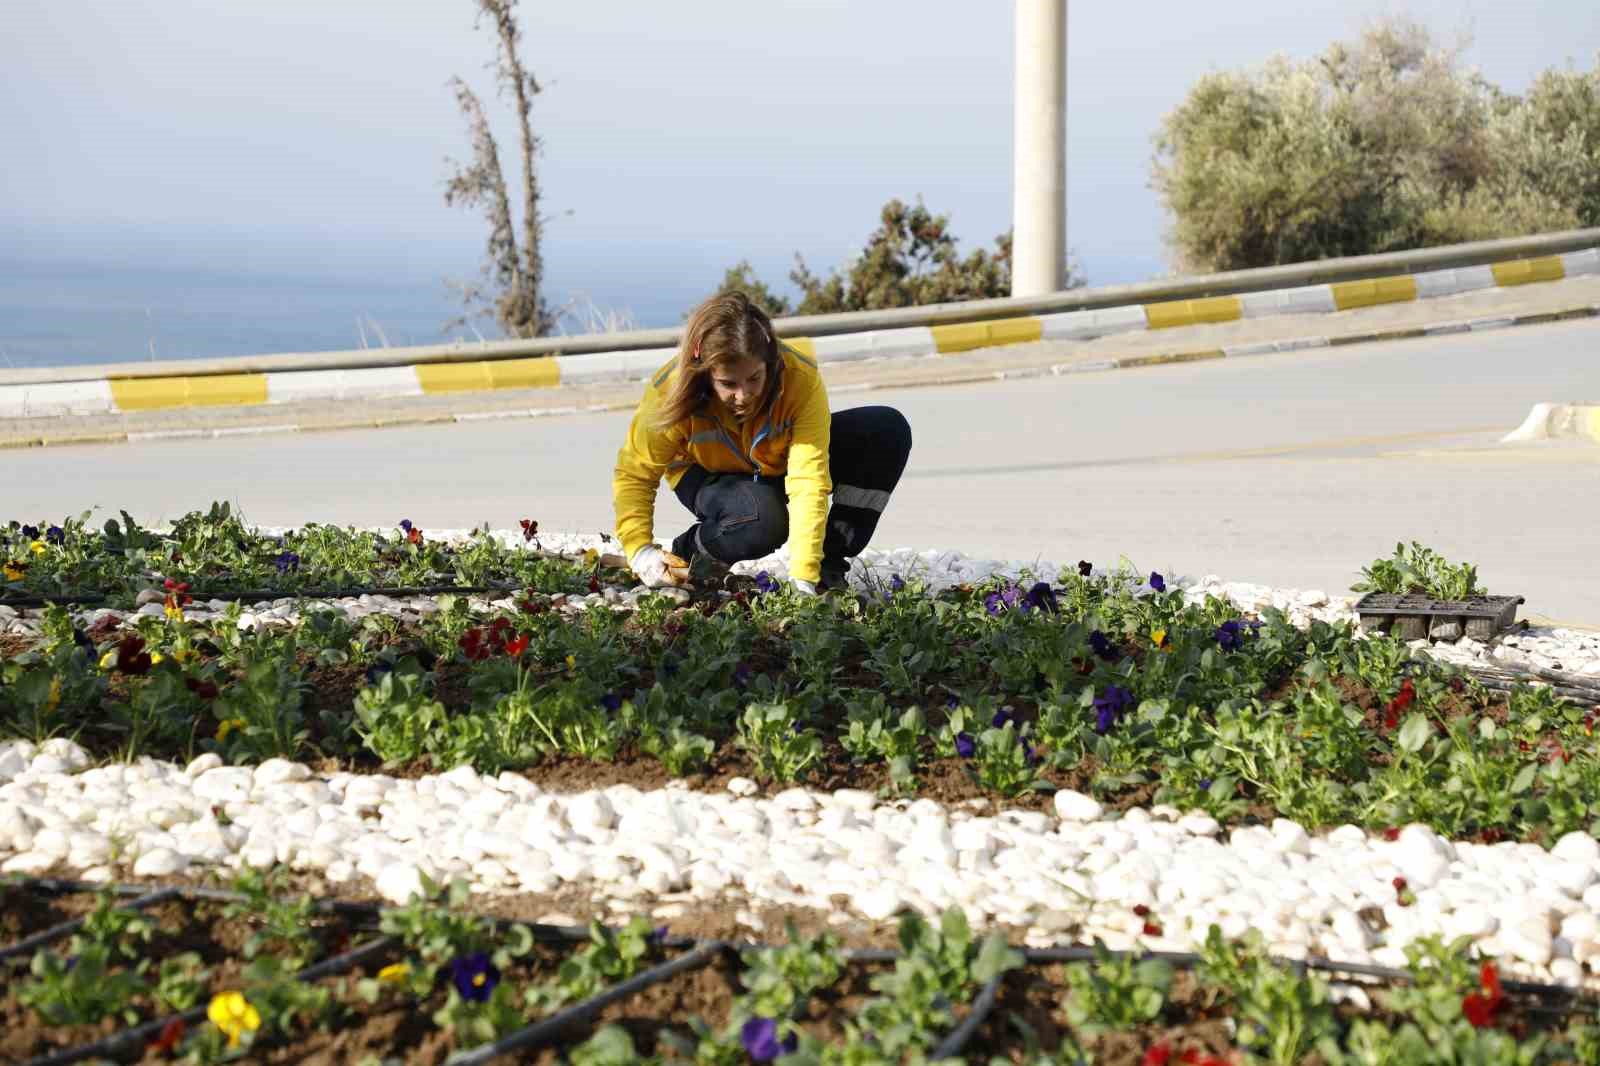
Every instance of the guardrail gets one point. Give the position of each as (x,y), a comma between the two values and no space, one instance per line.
(1082,314)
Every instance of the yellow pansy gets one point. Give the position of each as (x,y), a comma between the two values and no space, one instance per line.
(572,662)
(1158,637)
(174,612)
(53,700)
(184,655)
(395,971)
(591,556)
(13,571)
(108,660)
(37,547)
(156,657)
(233,1014)
(228,725)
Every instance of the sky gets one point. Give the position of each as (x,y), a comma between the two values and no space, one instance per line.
(302,142)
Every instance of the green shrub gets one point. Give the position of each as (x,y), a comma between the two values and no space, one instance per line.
(1384,144)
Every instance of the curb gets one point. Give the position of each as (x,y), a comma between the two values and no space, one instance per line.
(1131,362)
(1473,325)
(1547,421)
(117,394)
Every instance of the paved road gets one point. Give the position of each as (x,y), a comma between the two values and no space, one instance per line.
(1287,469)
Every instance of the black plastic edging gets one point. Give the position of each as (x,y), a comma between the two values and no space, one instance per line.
(953,1044)
(258,595)
(1186,959)
(55,932)
(141,1034)
(548,1029)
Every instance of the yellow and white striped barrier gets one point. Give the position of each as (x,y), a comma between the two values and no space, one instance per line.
(135,393)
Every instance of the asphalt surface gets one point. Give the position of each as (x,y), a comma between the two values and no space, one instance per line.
(1291,470)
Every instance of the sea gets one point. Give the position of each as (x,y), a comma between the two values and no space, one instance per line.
(57,312)
(72,314)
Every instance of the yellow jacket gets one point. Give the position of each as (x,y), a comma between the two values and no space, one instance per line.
(789,438)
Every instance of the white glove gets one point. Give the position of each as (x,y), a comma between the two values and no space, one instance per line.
(804,588)
(659,569)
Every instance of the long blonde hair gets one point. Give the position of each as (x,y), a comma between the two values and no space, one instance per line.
(724,329)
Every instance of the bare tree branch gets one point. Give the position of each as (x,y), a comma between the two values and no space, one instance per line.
(516,269)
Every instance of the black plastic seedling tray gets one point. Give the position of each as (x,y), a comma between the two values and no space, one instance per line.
(1411,617)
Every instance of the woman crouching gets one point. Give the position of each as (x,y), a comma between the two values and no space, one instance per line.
(738,424)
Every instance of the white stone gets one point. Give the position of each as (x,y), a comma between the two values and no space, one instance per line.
(878,902)
(1472,920)
(795,799)
(161,862)
(743,786)
(13,761)
(67,752)
(591,810)
(1581,925)
(1567,972)
(49,764)
(201,763)
(225,784)
(399,882)
(280,771)
(1528,940)
(1074,806)
(29,863)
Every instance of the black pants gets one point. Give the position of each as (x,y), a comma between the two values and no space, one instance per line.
(741,517)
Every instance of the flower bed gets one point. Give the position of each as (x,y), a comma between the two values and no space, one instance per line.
(1073,696)
(1105,683)
(212,978)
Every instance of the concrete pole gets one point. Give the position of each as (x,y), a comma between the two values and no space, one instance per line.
(1039,165)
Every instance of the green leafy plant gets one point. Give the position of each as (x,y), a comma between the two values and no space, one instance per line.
(94,979)
(877,732)
(1116,991)
(83,987)
(609,957)
(1281,1015)
(284,925)
(397,716)
(1417,569)
(778,741)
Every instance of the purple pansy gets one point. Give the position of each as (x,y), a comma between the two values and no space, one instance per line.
(1102,646)
(1001,717)
(965,745)
(1158,582)
(765,582)
(405,525)
(1085,568)
(759,1037)
(1108,707)
(55,535)
(612,702)
(1230,635)
(474,976)
(1042,597)
(286,561)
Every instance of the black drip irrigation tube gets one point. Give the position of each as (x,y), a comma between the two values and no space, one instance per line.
(547,1030)
(55,932)
(1559,999)
(83,599)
